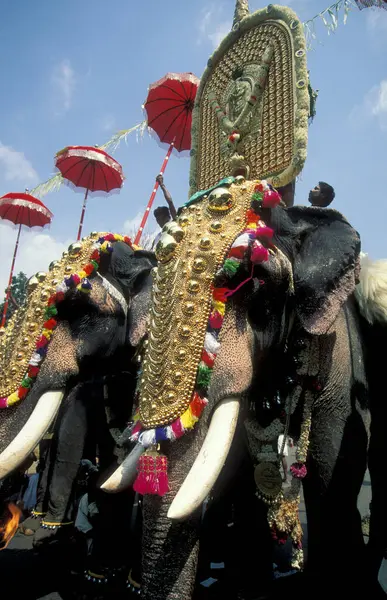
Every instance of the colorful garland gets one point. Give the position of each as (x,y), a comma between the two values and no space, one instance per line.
(81,282)
(152,468)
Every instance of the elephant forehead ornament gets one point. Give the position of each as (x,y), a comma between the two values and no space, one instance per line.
(249,133)
(24,343)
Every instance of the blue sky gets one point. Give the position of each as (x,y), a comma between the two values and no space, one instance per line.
(75,73)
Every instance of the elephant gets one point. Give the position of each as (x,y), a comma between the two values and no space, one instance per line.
(88,376)
(292,328)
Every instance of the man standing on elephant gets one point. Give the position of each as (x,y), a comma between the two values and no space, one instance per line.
(322,195)
(163,214)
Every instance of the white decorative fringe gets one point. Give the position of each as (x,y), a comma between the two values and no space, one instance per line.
(371,292)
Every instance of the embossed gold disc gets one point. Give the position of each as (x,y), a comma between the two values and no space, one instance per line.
(268,479)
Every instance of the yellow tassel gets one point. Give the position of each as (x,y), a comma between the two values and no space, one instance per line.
(47,333)
(13,399)
(82,274)
(188,420)
(219,306)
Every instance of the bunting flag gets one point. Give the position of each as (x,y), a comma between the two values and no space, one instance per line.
(370,3)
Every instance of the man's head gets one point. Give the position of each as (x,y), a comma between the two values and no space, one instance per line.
(322,195)
(162,215)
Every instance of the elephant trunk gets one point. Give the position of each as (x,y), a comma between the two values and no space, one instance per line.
(166,573)
(31,433)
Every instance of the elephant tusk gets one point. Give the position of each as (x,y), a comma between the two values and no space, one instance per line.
(125,474)
(209,462)
(31,433)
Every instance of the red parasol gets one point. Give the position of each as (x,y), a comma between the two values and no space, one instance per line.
(91,169)
(169,108)
(21,209)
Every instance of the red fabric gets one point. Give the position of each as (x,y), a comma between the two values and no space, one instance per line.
(95,170)
(208,359)
(33,371)
(169,108)
(88,269)
(33,213)
(237,252)
(50,324)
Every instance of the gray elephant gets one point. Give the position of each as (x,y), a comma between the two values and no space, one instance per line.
(291,341)
(82,372)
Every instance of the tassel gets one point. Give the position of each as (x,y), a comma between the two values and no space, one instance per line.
(152,474)
(258,253)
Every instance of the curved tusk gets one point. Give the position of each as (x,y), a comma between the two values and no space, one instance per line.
(125,474)
(31,433)
(209,462)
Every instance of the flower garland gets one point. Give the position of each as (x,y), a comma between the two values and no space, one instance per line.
(81,282)
(152,468)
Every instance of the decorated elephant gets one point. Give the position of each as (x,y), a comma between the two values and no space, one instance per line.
(253,329)
(66,356)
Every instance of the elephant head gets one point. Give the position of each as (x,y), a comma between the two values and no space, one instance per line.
(74,322)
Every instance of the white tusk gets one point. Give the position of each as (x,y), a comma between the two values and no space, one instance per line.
(125,474)
(31,433)
(209,462)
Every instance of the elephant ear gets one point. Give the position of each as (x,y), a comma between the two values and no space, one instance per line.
(326,265)
(128,267)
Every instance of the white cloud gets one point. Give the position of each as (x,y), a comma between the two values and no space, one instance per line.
(14,166)
(211,27)
(131,225)
(36,251)
(108,122)
(374,106)
(376,103)
(377,21)
(63,81)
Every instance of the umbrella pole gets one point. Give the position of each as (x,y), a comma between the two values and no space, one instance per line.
(5,309)
(153,195)
(82,215)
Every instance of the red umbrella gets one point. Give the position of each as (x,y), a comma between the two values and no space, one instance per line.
(169,108)
(91,169)
(21,209)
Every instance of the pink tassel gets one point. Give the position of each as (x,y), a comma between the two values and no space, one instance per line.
(177,428)
(152,474)
(265,232)
(270,199)
(216,320)
(258,253)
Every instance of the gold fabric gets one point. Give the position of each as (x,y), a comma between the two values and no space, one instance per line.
(24,328)
(181,300)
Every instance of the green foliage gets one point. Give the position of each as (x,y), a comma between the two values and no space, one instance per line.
(18,294)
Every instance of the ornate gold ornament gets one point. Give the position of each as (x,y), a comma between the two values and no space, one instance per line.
(268,480)
(181,302)
(24,328)
(251,110)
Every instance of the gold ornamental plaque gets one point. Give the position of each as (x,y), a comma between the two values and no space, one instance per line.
(268,479)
